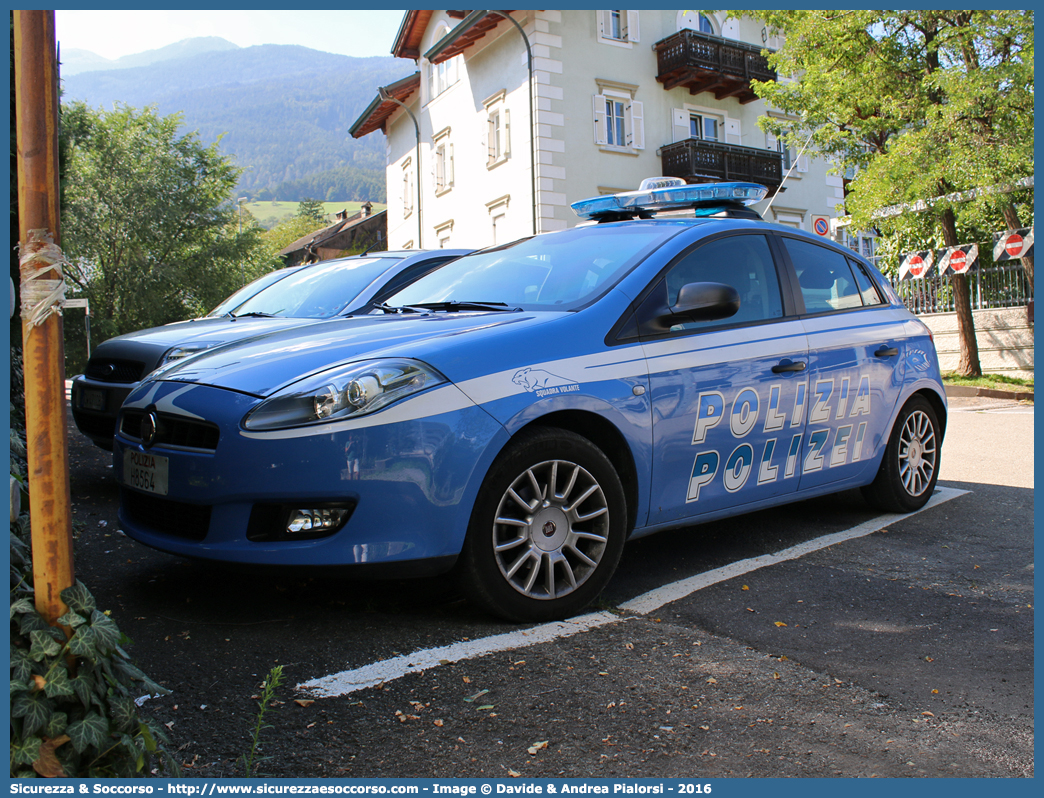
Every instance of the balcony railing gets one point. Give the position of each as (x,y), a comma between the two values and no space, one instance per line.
(702,161)
(702,62)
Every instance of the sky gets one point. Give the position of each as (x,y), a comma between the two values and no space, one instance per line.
(113,34)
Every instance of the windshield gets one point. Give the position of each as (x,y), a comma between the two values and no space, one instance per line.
(248,290)
(319,291)
(554,271)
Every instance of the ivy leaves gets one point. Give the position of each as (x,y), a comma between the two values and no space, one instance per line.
(73,711)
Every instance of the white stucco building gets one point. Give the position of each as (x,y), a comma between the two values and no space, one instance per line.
(617,96)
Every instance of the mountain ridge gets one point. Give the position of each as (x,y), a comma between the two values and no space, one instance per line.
(76,61)
(282,112)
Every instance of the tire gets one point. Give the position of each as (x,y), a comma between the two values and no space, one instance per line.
(547,529)
(910,467)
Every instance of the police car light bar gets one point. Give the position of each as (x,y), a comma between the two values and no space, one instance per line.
(669,193)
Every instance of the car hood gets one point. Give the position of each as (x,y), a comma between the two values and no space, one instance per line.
(266,363)
(150,345)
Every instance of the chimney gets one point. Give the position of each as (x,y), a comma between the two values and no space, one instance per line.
(367,209)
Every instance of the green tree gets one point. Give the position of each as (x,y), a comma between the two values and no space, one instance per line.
(313,209)
(918,105)
(149,224)
(288,231)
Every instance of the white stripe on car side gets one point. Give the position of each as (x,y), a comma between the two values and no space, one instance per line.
(633,361)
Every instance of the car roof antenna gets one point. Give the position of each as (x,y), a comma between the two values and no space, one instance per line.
(791,169)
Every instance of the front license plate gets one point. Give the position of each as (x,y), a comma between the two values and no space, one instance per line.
(146,472)
(92,400)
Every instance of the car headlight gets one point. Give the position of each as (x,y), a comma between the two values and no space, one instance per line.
(183,351)
(345,392)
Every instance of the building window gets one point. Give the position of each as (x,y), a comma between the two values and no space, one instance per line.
(615,134)
(498,215)
(443,166)
(694,20)
(498,130)
(789,154)
(704,127)
(445,74)
(442,234)
(618,27)
(863,243)
(619,121)
(408,192)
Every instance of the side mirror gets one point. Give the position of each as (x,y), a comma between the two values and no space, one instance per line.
(696,302)
(706,301)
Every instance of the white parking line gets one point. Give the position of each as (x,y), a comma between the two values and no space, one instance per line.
(345,682)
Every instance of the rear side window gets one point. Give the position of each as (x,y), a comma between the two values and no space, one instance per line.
(827,282)
(745,263)
(866,285)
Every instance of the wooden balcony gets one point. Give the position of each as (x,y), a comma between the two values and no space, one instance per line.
(701,161)
(702,62)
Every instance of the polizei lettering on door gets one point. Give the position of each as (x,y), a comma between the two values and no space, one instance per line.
(779,456)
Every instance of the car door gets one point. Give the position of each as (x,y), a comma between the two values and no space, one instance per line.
(855,375)
(728,395)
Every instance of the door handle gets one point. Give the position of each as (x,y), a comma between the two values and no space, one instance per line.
(788,365)
(886,351)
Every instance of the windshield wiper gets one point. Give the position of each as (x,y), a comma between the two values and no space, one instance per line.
(453,306)
(256,314)
(398,308)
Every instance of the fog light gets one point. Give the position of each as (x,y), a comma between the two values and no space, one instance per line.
(315,520)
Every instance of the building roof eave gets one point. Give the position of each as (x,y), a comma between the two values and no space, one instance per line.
(474,26)
(376,115)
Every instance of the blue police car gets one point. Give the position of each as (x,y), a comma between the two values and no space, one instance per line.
(521,412)
(284,298)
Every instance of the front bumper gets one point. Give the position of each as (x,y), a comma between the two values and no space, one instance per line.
(409,485)
(96,406)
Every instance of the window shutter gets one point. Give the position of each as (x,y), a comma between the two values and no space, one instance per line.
(489,139)
(770,142)
(680,124)
(449,166)
(602,22)
(802,163)
(732,131)
(436,168)
(632,26)
(599,119)
(505,133)
(637,125)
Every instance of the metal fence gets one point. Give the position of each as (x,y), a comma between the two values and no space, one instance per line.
(994,287)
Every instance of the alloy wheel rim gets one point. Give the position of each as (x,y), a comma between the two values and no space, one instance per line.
(917,453)
(551,529)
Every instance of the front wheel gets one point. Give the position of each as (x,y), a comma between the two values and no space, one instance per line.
(547,530)
(910,467)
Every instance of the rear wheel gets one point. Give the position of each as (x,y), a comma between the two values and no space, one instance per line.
(547,530)
(910,466)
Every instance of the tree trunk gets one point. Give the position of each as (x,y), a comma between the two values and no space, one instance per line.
(968,365)
(1011,218)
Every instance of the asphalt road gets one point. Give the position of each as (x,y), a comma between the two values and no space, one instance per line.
(907,651)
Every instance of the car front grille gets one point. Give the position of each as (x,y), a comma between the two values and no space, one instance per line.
(105,370)
(173,430)
(168,517)
(90,424)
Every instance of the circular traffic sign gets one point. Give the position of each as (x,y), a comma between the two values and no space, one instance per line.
(916,265)
(958,261)
(1013,245)
(822,227)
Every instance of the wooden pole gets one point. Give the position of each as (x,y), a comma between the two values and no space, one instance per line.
(36,111)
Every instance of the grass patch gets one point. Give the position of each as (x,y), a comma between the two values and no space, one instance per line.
(999,382)
(270,212)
